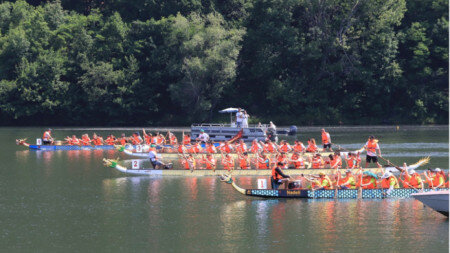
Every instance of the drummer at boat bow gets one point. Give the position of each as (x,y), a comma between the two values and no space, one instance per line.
(203,137)
(47,138)
(278,177)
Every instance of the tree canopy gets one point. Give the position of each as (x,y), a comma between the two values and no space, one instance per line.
(139,62)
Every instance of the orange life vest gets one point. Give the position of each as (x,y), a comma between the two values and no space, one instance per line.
(311,147)
(110,140)
(336,162)
(269,148)
(298,147)
(285,148)
(255,148)
(46,136)
(275,174)
(211,149)
(182,149)
(298,163)
(226,148)
(173,139)
(186,140)
(97,141)
(243,163)
(147,139)
(85,140)
(74,141)
(325,139)
(123,141)
(136,140)
(263,163)
(210,162)
(241,148)
(317,163)
(436,180)
(372,146)
(228,163)
(386,182)
(186,162)
(366,180)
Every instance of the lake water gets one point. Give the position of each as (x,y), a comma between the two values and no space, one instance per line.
(67,201)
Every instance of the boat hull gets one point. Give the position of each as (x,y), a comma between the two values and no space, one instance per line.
(70,147)
(331,194)
(437,200)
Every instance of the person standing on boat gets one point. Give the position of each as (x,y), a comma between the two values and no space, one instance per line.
(326,140)
(245,117)
(47,138)
(278,177)
(239,118)
(203,137)
(372,147)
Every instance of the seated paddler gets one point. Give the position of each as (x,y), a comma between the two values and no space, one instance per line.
(278,177)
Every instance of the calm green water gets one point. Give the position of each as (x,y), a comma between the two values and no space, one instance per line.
(67,201)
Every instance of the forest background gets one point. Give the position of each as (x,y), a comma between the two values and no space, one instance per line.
(169,62)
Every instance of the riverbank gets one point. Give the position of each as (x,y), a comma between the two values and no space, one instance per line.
(299,128)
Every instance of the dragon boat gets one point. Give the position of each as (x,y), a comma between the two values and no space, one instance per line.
(236,172)
(112,163)
(324,194)
(59,146)
(142,152)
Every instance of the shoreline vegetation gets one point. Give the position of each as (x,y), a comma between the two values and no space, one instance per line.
(300,129)
(304,63)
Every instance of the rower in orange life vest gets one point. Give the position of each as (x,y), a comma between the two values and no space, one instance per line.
(210,149)
(136,139)
(110,140)
(335,161)
(312,147)
(299,147)
(322,183)
(147,137)
(187,139)
(285,147)
(47,138)
(263,161)
(74,141)
(97,140)
(326,140)
(85,140)
(160,139)
(278,177)
(297,161)
(352,162)
(123,139)
(244,161)
(282,158)
(349,182)
(369,180)
(411,179)
(210,162)
(269,147)
(390,182)
(188,162)
(317,162)
(172,138)
(436,179)
(196,148)
(228,162)
(255,148)
(225,147)
(241,147)
(372,148)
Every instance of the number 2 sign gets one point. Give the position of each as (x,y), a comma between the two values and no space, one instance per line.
(134,164)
